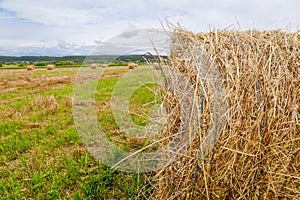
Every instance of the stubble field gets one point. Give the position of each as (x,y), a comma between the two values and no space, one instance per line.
(42,156)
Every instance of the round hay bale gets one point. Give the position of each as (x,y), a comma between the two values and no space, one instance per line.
(30,67)
(93,66)
(257,153)
(156,65)
(131,65)
(50,67)
(104,66)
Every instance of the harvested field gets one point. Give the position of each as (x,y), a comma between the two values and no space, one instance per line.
(16,79)
(41,154)
(243,137)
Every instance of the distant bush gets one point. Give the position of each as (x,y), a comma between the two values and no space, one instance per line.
(65,63)
(40,64)
(1,64)
(117,63)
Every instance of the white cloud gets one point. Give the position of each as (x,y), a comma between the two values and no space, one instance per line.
(83,24)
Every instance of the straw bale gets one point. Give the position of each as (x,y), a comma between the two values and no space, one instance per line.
(257,154)
(156,65)
(30,67)
(132,65)
(93,66)
(50,67)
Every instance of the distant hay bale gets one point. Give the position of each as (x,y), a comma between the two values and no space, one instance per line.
(104,66)
(50,67)
(93,66)
(47,102)
(30,67)
(257,154)
(132,65)
(156,65)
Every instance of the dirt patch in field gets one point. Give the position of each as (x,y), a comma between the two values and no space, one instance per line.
(118,75)
(12,80)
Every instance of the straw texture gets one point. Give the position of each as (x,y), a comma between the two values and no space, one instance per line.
(257,153)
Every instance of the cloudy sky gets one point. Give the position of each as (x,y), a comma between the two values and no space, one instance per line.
(73,27)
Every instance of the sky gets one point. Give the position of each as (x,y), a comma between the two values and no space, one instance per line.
(73,27)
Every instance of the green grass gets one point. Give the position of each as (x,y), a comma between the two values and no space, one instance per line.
(41,155)
(141,102)
(12,67)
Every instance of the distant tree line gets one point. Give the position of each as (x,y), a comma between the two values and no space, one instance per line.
(140,58)
(72,60)
(34,59)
